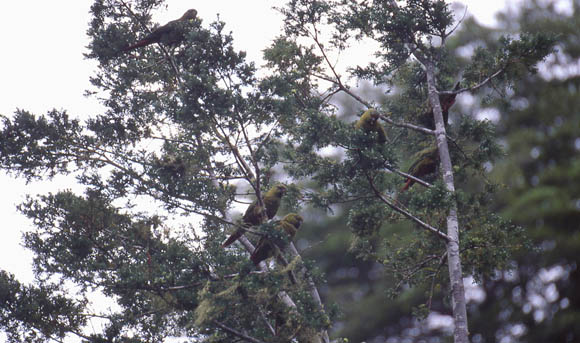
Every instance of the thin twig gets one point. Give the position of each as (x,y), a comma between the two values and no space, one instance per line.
(254,162)
(311,285)
(441,262)
(458,23)
(237,333)
(265,319)
(267,138)
(421,223)
(408,126)
(282,295)
(476,87)
(408,274)
(409,176)
(242,163)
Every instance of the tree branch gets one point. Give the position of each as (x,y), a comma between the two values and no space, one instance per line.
(409,176)
(461,331)
(408,126)
(421,223)
(311,287)
(282,260)
(165,52)
(282,295)
(237,333)
(447,34)
(238,156)
(476,87)
(441,262)
(254,162)
(408,273)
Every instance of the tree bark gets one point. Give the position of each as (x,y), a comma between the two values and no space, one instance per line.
(305,335)
(461,331)
(311,288)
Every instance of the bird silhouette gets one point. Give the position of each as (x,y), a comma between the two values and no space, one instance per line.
(169,33)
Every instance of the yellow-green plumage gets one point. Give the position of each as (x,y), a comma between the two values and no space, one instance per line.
(425,162)
(369,122)
(266,248)
(254,214)
(273,198)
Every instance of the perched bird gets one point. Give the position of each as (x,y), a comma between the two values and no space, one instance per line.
(254,214)
(369,121)
(426,162)
(273,198)
(267,248)
(447,100)
(169,33)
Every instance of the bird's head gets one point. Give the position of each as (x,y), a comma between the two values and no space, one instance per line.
(295,219)
(431,152)
(189,15)
(279,190)
(373,115)
(448,100)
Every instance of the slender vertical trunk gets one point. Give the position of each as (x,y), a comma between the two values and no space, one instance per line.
(312,289)
(304,335)
(453,259)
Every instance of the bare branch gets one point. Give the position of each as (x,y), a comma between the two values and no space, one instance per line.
(267,138)
(323,52)
(311,287)
(441,262)
(330,95)
(282,295)
(239,158)
(477,86)
(256,186)
(447,34)
(408,126)
(391,204)
(354,96)
(409,176)
(237,333)
(414,270)
(265,319)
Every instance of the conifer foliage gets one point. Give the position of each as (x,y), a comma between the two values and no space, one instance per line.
(193,130)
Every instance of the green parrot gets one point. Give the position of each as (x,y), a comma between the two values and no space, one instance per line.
(426,162)
(266,248)
(369,121)
(254,214)
(447,100)
(168,33)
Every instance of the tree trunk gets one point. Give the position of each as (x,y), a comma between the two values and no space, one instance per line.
(453,259)
(311,289)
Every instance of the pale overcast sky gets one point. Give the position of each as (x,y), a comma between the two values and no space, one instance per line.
(42,67)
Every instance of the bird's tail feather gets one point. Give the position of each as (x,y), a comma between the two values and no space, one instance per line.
(407,185)
(232,238)
(139,44)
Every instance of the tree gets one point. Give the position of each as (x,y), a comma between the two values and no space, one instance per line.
(194,129)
